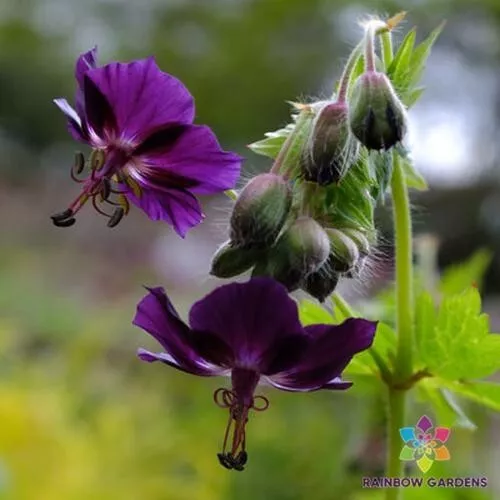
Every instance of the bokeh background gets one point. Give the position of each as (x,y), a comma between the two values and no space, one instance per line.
(80,417)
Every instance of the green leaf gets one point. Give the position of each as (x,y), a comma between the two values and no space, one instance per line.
(412,96)
(447,409)
(311,313)
(380,164)
(271,145)
(420,56)
(413,178)
(401,61)
(455,342)
(485,393)
(461,276)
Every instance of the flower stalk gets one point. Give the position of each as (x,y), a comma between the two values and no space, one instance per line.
(403,366)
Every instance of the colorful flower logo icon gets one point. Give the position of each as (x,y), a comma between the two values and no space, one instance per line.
(424,443)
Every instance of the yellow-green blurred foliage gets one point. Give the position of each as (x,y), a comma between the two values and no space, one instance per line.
(81,418)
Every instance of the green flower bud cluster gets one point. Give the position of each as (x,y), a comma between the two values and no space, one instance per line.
(310,221)
(267,235)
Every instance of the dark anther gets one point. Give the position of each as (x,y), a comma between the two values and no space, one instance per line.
(64,223)
(225,460)
(105,188)
(62,215)
(79,162)
(63,219)
(242,458)
(116,217)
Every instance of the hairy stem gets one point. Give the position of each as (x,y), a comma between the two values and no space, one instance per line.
(404,322)
(345,79)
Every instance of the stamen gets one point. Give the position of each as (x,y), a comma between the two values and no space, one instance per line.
(62,215)
(105,189)
(63,219)
(97,159)
(116,217)
(64,223)
(79,163)
(237,457)
(98,209)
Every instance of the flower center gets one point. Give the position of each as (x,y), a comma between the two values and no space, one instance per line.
(106,187)
(234,455)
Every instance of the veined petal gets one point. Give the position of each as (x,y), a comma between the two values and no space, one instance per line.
(177,207)
(157,316)
(251,318)
(142,97)
(336,384)
(85,62)
(197,368)
(331,349)
(74,121)
(191,152)
(98,110)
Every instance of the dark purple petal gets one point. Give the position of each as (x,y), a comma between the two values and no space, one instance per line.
(252,318)
(177,207)
(331,349)
(74,121)
(143,97)
(193,153)
(99,113)
(163,357)
(212,348)
(157,316)
(86,61)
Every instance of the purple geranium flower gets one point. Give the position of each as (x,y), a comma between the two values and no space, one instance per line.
(250,331)
(139,122)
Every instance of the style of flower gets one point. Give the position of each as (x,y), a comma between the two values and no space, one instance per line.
(252,333)
(424,446)
(145,149)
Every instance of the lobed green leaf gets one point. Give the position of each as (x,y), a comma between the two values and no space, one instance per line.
(454,343)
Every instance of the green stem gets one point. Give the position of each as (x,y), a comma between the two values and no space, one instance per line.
(404,322)
(387,57)
(345,79)
(287,158)
(404,273)
(396,420)
(343,306)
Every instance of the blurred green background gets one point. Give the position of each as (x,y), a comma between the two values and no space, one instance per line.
(80,416)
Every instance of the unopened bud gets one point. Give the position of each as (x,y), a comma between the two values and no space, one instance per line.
(376,115)
(322,283)
(231,260)
(344,252)
(260,211)
(331,149)
(360,239)
(302,249)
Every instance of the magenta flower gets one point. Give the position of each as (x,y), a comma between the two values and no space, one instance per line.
(250,331)
(145,149)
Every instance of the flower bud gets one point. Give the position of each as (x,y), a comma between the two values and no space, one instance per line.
(360,239)
(376,115)
(331,149)
(260,211)
(344,252)
(231,260)
(322,283)
(302,249)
